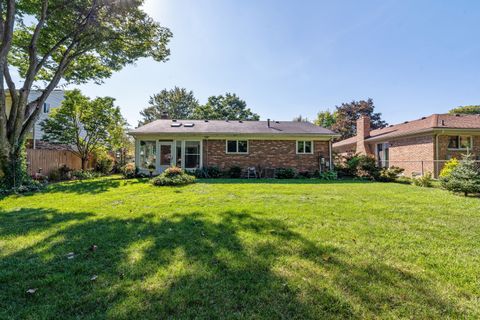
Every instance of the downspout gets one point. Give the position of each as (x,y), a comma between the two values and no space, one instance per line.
(436,156)
(330,154)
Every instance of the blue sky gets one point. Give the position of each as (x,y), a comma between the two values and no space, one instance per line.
(286,58)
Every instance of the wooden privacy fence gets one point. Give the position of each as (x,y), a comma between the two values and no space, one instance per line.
(48,160)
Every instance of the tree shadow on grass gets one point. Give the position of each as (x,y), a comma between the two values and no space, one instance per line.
(280,181)
(93,186)
(190,266)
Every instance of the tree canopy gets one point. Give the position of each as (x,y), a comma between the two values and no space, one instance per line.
(473,109)
(344,119)
(300,118)
(177,103)
(64,41)
(225,107)
(86,124)
(325,119)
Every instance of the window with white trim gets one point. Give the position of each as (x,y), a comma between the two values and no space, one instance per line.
(192,154)
(46,107)
(460,142)
(304,147)
(237,146)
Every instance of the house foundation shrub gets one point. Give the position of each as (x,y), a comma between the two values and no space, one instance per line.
(129,171)
(104,163)
(173,176)
(357,166)
(390,174)
(235,172)
(425,181)
(448,168)
(328,175)
(464,178)
(285,173)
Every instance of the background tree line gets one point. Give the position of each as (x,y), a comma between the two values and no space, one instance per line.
(179,103)
(343,119)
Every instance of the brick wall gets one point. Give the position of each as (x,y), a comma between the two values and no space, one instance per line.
(266,154)
(445,154)
(409,152)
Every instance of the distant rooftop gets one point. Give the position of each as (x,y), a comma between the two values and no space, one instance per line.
(425,124)
(231,127)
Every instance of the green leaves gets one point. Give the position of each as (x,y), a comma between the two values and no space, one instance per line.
(97,37)
(178,103)
(227,107)
(84,123)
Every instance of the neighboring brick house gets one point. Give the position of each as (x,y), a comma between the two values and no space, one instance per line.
(192,144)
(418,146)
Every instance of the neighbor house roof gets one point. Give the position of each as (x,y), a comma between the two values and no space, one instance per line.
(219,127)
(425,124)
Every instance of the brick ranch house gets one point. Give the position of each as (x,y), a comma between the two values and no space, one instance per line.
(418,146)
(192,144)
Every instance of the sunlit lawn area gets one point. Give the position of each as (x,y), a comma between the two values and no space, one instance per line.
(236,249)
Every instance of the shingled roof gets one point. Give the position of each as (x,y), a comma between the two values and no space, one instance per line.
(219,127)
(425,124)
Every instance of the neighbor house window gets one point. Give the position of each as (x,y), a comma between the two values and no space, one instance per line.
(46,107)
(192,154)
(237,146)
(304,147)
(148,153)
(459,142)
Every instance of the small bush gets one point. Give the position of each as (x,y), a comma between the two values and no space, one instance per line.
(464,178)
(390,174)
(328,175)
(360,166)
(208,172)
(214,172)
(425,181)
(54,175)
(304,175)
(104,164)
(85,174)
(29,185)
(235,172)
(285,173)
(62,173)
(129,171)
(367,168)
(173,176)
(449,166)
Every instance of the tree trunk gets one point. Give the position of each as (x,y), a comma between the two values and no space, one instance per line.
(12,168)
(84,163)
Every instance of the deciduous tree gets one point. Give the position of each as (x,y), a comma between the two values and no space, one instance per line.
(225,107)
(177,103)
(54,41)
(466,110)
(347,114)
(86,124)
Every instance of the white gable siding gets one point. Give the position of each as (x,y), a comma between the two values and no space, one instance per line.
(54,100)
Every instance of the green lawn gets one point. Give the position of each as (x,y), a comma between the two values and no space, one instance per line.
(237,249)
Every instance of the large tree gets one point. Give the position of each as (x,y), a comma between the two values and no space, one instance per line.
(474,109)
(325,119)
(177,103)
(86,124)
(347,114)
(63,41)
(225,107)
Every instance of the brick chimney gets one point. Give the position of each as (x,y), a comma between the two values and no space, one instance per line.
(363,132)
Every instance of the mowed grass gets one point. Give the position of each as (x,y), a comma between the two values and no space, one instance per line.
(237,249)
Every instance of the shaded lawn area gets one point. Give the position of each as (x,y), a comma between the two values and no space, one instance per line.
(239,249)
